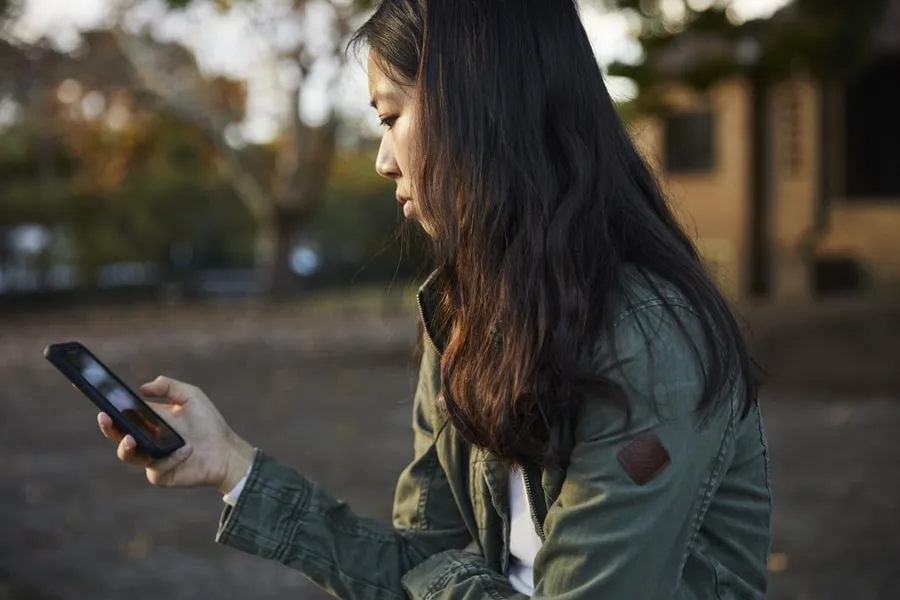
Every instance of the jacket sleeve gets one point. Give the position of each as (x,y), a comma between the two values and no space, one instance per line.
(283,516)
(633,498)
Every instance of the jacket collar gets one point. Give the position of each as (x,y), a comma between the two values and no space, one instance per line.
(427,300)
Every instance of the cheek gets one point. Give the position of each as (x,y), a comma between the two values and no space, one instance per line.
(402,140)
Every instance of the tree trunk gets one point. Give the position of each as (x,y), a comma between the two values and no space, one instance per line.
(277,237)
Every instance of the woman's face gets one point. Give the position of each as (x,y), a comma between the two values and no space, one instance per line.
(396,108)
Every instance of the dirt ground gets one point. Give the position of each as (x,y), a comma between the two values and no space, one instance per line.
(76,524)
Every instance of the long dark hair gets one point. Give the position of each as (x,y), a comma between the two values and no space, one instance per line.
(537,203)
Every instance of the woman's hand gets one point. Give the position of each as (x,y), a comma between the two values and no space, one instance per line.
(213,455)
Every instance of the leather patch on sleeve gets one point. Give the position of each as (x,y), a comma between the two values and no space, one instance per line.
(644,457)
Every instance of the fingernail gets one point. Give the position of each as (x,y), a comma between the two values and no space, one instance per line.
(129,442)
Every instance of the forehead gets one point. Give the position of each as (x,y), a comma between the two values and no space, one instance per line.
(383,88)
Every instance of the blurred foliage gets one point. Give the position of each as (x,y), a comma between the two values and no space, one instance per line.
(284,196)
(125,163)
(134,193)
(125,195)
(227,4)
(822,37)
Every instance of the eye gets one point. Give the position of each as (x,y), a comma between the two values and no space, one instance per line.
(388,122)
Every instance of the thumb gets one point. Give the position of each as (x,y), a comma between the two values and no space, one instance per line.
(176,392)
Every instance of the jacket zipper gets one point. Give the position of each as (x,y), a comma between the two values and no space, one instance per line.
(537,517)
(534,502)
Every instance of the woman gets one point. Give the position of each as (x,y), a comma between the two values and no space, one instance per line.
(585,423)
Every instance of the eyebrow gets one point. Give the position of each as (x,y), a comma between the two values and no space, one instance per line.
(381,95)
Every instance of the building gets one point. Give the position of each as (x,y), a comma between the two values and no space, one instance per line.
(791,184)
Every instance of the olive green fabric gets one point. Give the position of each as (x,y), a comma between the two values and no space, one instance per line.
(697,528)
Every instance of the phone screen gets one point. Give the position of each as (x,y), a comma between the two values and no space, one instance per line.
(132,408)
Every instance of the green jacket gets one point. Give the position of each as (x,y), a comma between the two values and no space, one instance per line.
(664,509)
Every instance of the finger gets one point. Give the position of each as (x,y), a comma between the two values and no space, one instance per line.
(128,453)
(163,471)
(176,392)
(108,429)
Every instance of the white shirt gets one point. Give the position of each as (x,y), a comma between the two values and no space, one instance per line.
(231,497)
(524,541)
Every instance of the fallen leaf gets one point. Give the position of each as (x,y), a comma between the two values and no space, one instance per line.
(139,546)
(778,562)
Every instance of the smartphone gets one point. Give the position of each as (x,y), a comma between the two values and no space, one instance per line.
(128,412)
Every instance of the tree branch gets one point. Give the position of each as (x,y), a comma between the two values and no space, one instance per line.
(172,86)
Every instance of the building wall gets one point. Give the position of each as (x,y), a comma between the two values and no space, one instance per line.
(865,229)
(869,233)
(713,205)
(795,175)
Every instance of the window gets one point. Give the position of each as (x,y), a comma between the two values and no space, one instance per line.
(872,132)
(689,146)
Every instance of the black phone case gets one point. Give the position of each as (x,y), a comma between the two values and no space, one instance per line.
(53,353)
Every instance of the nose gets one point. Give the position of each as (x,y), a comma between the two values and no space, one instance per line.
(385,164)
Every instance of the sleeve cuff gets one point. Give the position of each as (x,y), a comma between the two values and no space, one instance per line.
(231,497)
(255,523)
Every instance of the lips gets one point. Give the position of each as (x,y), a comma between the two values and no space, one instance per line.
(406,204)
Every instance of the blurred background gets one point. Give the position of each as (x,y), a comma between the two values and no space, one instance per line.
(188,187)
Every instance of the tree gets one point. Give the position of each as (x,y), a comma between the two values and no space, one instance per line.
(701,47)
(285,199)
(128,192)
